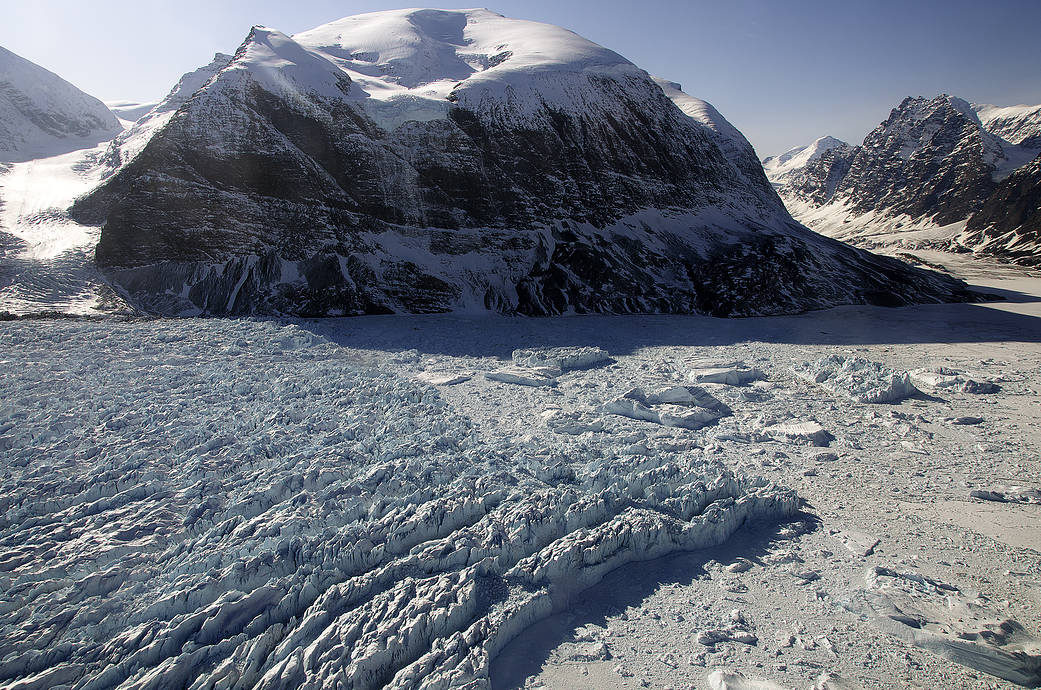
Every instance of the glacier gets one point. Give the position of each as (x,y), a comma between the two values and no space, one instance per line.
(245,504)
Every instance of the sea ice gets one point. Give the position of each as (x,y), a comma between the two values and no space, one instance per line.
(441,378)
(945,620)
(522,376)
(943,377)
(799,432)
(688,407)
(730,376)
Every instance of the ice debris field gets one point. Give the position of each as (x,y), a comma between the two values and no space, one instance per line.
(241,504)
(255,504)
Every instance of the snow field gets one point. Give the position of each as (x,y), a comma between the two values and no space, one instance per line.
(246,504)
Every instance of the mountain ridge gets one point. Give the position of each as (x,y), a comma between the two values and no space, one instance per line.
(934,164)
(511,166)
(43,115)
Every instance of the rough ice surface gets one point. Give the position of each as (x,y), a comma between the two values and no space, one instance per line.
(524,376)
(688,407)
(244,504)
(942,618)
(563,358)
(943,377)
(857,379)
(799,432)
(729,375)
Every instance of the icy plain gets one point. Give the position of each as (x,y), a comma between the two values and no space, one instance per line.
(354,503)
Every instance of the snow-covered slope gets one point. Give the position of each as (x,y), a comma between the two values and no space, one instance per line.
(725,135)
(130,111)
(1018,124)
(920,177)
(778,168)
(130,142)
(432,160)
(42,115)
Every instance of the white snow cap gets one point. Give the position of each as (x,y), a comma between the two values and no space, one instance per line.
(416,48)
(779,167)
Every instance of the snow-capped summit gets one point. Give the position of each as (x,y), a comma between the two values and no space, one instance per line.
(41,114)
(431,160)
(778,168)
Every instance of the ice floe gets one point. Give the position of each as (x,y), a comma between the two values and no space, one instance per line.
(524,376)
(946,378)
(729,375)
(688,407)
(809,432)
(942,618)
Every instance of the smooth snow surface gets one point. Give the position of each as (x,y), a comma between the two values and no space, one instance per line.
(420,56)
(1013,123)
(130,111)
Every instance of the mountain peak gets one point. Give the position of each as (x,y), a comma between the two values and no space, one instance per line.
(41,114)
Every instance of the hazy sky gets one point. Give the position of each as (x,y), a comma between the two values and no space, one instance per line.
(783,71)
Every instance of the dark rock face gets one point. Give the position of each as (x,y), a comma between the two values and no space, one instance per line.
(818,181)
(1009,223)
(582,190)
(927,159)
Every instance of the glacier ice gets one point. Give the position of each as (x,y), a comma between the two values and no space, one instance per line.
(563,358)
(857,379)
(245,505)
(688,407)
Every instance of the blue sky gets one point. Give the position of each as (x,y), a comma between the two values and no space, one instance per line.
(783,71)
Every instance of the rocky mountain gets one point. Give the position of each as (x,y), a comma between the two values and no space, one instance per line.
(41,114)
(1008,225)
(433,160)
(129,143)
(779,168)
(921,176)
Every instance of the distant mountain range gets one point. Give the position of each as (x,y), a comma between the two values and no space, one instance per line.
(938,172)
